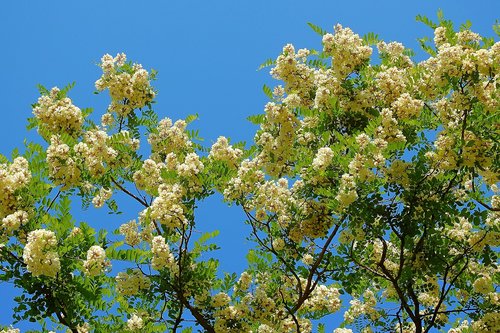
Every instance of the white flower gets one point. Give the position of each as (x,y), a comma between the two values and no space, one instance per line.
(135,323)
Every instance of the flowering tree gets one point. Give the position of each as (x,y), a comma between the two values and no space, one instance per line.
(371,183)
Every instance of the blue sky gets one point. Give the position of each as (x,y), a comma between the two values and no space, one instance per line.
(206,53)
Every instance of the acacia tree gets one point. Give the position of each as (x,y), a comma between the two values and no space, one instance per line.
(371,179)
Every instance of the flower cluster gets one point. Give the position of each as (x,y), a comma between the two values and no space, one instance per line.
(483,284)
(407,107)
(13,221)
(135,323)
(462,328)
(292,69)
(168,208)
(129,284)
(148,177)
(169,138)
(128,84)
(220,300)
(96,261)
(130,231)
(10,330)
(323,159)
(359,308)
(243,184)
(162,257)
(63,168)
(95,151)
(390,84)
(388,129)
(272,197)
(342,330)
(276,138)
(57,113)
(189,170)
(13,177)
(39,254)
(223,151)
(323,298)
(243,282)
(346,49)
(394,53)
(487,324)
(102,196)
(347,190)
(83,328)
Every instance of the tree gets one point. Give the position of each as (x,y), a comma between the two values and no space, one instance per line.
(371,182)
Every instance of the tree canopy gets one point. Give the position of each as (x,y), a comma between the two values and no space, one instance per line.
(370,189)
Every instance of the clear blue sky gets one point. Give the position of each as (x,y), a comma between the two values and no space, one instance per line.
(206,53)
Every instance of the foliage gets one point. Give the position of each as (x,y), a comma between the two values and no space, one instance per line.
(370,182)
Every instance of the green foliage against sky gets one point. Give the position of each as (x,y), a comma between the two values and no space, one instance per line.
(370,190)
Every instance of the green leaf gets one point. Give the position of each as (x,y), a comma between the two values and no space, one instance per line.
(371,38)
(317,29)
(200,246)
(269,62)
(425,20)
(466,26)
(316,63)
(191,118)
(42,89)
(257,119)
(496,28)
(440,15)
(267,91)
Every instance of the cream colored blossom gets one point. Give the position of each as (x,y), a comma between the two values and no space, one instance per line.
(10,330)
(129,90)
(13,221)
(96,261)
(83,328)
(103,195)
(96,152)
(324,298)
(13,177)
(243,282)
(407,107)
(342,330)
(169,138)
(347,190)
(148,178)
(135,323)
(168,208)
(130,231)
(40,254)
(162,257)
(130,284)
(323,159)
(58,114)
(63,168)
(440,36)
(489,323)
(222,151)
(221,299)
(347,50)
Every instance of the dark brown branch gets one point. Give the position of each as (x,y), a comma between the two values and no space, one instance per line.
(196,314)
(142,202)
(309,286)
(52,201)
(178,319)
(394,282)
(488,207)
